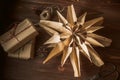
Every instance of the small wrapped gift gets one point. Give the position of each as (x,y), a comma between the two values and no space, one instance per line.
(18,36)
(25,52)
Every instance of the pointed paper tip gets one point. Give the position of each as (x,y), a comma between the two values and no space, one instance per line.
(101,26)
(45,43)
(78,75)
(85,13)
(90,59)
(101,18)
(59,15)
(44,61)
(71,5)
(58,12)
(101,45)
(101,64)
(62,63)
(42,20)
(110,41)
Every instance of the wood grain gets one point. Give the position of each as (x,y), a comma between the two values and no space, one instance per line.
(17,10)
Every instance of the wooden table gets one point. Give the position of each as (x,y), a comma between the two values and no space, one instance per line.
(33,69)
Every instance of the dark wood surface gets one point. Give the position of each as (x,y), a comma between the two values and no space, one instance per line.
(33,69)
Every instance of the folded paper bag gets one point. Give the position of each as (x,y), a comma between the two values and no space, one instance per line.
(18,36)
(25,52)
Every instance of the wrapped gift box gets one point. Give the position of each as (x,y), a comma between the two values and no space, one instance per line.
(18,36)
(25,52)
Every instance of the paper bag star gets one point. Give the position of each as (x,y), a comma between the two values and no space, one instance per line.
(72,37)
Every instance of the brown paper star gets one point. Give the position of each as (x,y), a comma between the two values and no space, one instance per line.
(72,37)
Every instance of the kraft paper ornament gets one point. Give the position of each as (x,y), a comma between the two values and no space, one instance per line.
(73,36)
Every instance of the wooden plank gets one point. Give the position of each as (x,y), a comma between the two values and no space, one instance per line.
(15,69)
